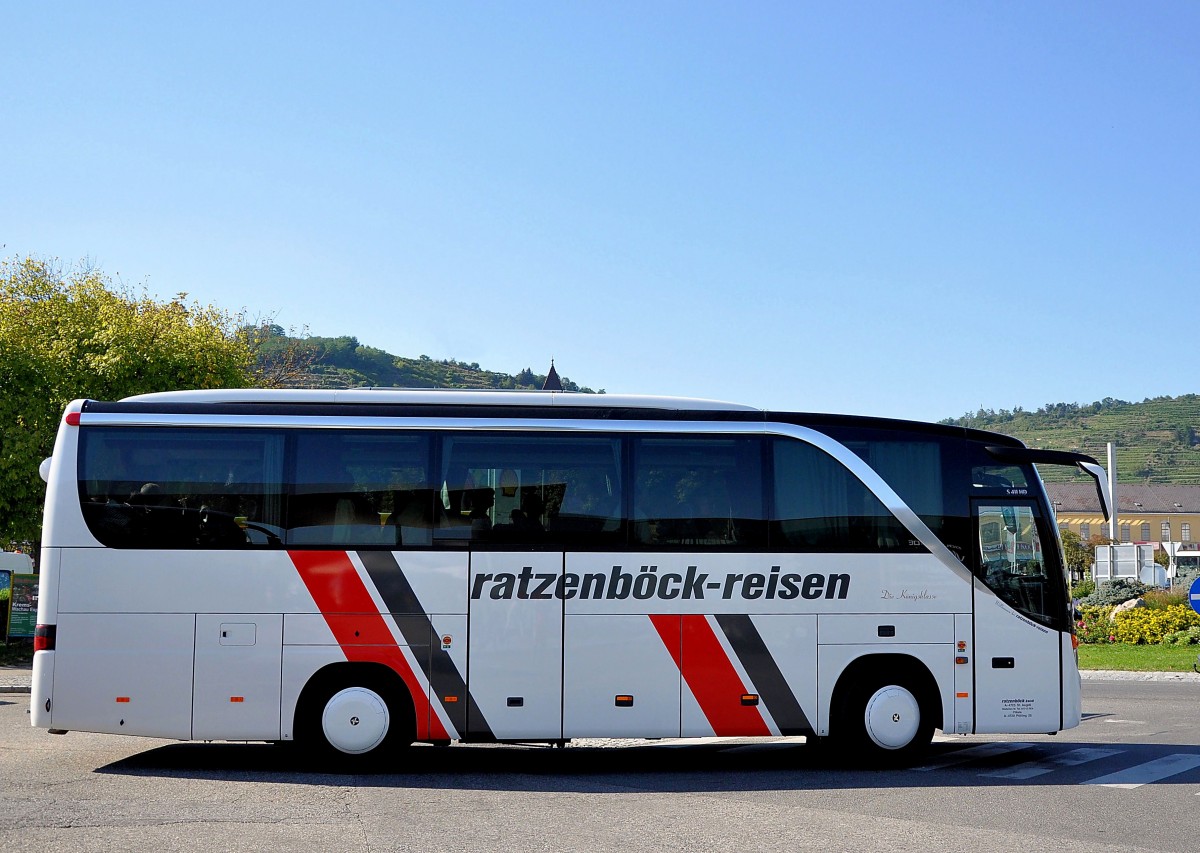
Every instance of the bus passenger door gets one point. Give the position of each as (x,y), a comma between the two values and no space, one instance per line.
(514,666)
(1018,606)
(237,676)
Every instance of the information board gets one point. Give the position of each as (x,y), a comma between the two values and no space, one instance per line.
(22,606)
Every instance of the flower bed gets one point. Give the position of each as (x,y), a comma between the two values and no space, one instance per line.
(1140,625)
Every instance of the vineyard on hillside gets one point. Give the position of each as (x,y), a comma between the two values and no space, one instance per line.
(1158,441)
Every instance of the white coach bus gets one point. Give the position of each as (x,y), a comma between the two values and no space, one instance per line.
(357,570)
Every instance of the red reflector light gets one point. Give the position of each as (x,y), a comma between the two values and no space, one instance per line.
(237,698)
(44,637)
(72,419)
(122,698)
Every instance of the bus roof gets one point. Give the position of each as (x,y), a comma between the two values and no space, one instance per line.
(437,397)
(440,402)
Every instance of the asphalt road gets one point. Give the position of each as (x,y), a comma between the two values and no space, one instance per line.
(1127,779)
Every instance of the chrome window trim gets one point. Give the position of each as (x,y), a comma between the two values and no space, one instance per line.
(857,466)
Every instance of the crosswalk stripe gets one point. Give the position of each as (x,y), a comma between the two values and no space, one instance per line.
(1075,757)
(761,746)
(1151,771)
(691,741)
(984,750)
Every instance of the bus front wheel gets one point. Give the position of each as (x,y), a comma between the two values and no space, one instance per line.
(885,720)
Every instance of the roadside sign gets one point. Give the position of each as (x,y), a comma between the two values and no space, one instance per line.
(1194,595)
(22,606)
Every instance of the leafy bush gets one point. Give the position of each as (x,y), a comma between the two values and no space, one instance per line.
(1084,588)
(1116,592)
(1146,625)
(1095,625)
(1188,637)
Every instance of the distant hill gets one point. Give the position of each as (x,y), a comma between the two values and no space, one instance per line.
(1158,441)
(344,362)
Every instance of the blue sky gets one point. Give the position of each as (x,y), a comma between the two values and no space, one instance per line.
(903,209)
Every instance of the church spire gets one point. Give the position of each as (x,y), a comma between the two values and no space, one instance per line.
(552,382)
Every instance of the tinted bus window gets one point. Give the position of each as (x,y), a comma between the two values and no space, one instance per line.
(360,488)
(926,471)
(699,492)
(531,490)
(821,506)
(175,487)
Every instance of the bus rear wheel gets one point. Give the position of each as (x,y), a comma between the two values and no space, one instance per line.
(353,723)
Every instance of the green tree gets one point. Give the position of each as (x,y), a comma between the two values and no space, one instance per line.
(1078,554)
(76,335)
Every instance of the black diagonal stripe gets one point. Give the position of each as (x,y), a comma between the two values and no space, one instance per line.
(772,687)
(418,631)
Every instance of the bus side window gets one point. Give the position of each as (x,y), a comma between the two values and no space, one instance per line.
(531,490)
(693,491)
(821,506)
(154,487)
(361,488)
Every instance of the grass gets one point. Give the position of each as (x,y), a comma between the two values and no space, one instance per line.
(1124,657)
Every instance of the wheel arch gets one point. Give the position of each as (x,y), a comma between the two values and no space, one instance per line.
(377,676)
(904,668)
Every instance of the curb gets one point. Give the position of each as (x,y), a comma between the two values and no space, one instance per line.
(1117,675)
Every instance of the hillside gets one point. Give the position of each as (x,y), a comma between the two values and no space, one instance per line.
(344,362)
(1158,441)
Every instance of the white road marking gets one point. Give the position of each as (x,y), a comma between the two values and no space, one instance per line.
(761,746)
(1151,771)
(985,750)
(1075,757)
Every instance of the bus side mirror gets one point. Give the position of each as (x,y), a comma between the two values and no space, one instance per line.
(1094,471)
(1086,464)
(44,469)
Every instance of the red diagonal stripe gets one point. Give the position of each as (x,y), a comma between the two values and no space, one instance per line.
(716,684)
(339,591)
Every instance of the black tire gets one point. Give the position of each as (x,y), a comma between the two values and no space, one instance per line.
(352,722)
(885,720)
